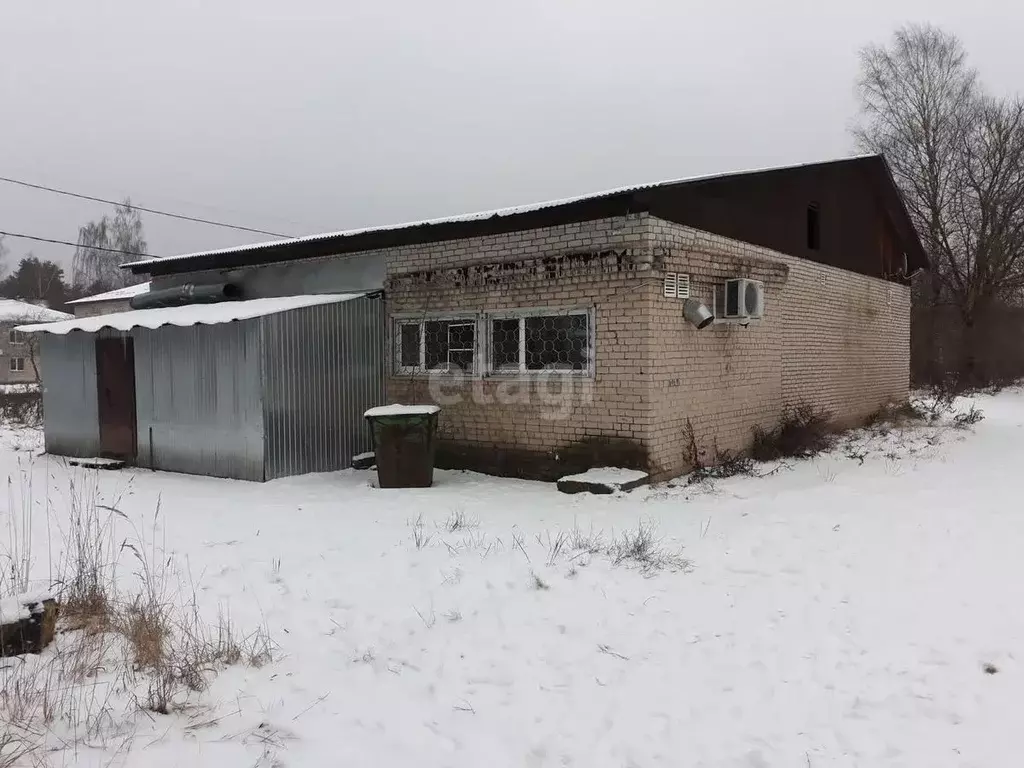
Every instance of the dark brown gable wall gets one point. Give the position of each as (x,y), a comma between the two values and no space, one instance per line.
(770,210)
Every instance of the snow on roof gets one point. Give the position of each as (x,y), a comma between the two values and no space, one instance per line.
(117,294)
(12,311)
(480,215)
(190,314)
(401,410)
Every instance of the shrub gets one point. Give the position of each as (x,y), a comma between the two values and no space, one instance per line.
(23,406)
(968,418)
(912,411)
(727,463)
(802,432)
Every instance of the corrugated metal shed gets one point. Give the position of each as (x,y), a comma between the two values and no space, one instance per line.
(198,399)
(255,398)
(71,422)
(313,402)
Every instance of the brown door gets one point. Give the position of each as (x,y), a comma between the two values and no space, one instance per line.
(115,384)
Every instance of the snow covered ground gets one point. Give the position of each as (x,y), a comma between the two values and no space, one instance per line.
(840,612)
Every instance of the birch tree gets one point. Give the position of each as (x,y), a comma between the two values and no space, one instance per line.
(957,154)
(103,246)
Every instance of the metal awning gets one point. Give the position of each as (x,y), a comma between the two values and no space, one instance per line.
(190,314)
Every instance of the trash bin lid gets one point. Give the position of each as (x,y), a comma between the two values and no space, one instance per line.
(401,410)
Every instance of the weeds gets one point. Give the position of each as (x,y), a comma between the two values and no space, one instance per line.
(646,550)
(420,537)
(12,749)
(23,407)
(119,647)
(968,418)
(519,542)
(459,521)
(590,542)
(84,590)
(802,432)
(429,620)
(898,415)
(935,407)
(555,546)
(726,464)
(537,582)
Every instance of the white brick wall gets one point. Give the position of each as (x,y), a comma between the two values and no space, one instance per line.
(830,338)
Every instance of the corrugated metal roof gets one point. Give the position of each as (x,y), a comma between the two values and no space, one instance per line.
(479,216)
(191,314)
(118,294)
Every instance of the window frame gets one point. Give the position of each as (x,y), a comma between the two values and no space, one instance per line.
(401,319)
(522,371)
(813,226)
(16,338)
(16,369)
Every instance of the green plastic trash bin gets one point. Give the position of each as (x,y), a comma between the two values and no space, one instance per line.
(403,440)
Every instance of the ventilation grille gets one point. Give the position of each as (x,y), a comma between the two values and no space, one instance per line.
(677,285)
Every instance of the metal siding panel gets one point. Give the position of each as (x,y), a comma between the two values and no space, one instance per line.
(70,418)
(198,397)
(322,370)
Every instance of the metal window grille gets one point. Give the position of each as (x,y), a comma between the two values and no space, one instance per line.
(435,345)
(540,342)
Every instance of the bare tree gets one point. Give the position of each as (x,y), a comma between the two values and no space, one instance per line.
(958,157)
(3,257)
(103,246)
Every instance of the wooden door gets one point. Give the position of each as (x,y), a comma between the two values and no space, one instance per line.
(115,386)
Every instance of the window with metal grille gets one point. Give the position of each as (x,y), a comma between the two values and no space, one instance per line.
(436,345)
(540,342)
(17,363)
(16,337)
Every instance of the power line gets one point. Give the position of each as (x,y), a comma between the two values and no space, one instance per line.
(140,208)
(76,245)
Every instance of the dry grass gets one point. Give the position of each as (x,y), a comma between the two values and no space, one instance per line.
(12,749)
(640,547)
(124,643)
(86,571)
(420,537)
(458,520)
(145,625)
(801,432)
(646,550)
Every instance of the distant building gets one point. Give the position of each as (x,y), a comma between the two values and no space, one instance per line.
(19,358)
(118,300)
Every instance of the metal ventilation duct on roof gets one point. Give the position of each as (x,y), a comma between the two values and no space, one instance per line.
(186,294)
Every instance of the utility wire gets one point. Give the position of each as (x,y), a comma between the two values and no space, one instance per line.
(140,208)
(76,245)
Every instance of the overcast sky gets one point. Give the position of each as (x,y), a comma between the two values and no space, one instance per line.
(316,115)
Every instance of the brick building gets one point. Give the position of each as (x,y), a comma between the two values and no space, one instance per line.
(109,302)
(828,337)
(555,336)
(19,360)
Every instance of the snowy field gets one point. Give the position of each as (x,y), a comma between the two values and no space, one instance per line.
(840,612)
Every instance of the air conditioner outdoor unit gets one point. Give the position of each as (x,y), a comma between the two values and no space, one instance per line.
(740,299)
